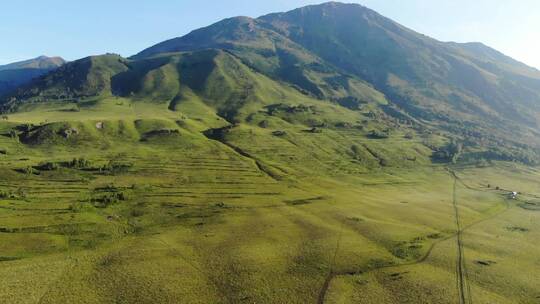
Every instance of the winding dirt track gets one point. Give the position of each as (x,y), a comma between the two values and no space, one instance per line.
(462,281)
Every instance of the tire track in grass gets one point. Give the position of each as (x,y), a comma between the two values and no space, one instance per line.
(461,271)
(50,287)
(191,264)
(332,275)
(462,275)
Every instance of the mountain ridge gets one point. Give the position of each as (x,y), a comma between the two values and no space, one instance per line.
(386,54)
(344,54)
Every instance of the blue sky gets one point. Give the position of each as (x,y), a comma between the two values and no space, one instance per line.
(77,28)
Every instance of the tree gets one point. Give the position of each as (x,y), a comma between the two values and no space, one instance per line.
(456,149)
(13,134)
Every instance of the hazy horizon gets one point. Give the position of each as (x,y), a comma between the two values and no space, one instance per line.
(75,30)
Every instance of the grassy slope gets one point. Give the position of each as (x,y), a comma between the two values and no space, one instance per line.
(251,217)
(274,55)
(350,54)
(205,218)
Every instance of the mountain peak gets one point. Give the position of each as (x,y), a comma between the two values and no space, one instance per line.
(324,10)
(334,5)
(339,5)
(19,73)
(41,62)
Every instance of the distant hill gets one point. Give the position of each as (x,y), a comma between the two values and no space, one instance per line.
(344,54)
(41,62)
(16,74)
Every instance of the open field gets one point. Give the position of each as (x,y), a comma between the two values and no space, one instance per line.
(147,216)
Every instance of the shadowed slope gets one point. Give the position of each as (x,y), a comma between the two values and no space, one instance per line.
(19,73)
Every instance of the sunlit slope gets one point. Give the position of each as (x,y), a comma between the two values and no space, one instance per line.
(480,96)
(214,93)
(276,56)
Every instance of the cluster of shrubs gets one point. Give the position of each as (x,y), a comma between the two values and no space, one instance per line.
(49,166)
(448,153)
(76,163)
(25,127)
(284,108)
(376,134)
(279,133)
(8,195)
(343,125)
(112,167)
(315,130)
(14,135)
(502,153)
(219,133)
(108,199)
(350,102)
(28,170)
(356,150)
(160,132)
(79,163)
(115,167)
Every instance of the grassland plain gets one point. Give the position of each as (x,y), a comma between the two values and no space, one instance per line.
(130,202)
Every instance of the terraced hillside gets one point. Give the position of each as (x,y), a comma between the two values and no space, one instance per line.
(129,202)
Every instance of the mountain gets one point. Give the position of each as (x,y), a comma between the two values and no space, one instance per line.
(41,62)
(343,54)
(470,78)
(19,73)
(274,55)
(466,88)
(323,155)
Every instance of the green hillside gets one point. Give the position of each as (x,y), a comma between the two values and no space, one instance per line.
(485,99)
(208,90)
(323,155)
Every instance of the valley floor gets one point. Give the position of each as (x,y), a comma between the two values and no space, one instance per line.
(214,229)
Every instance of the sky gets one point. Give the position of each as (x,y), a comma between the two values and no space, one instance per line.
(77,28)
